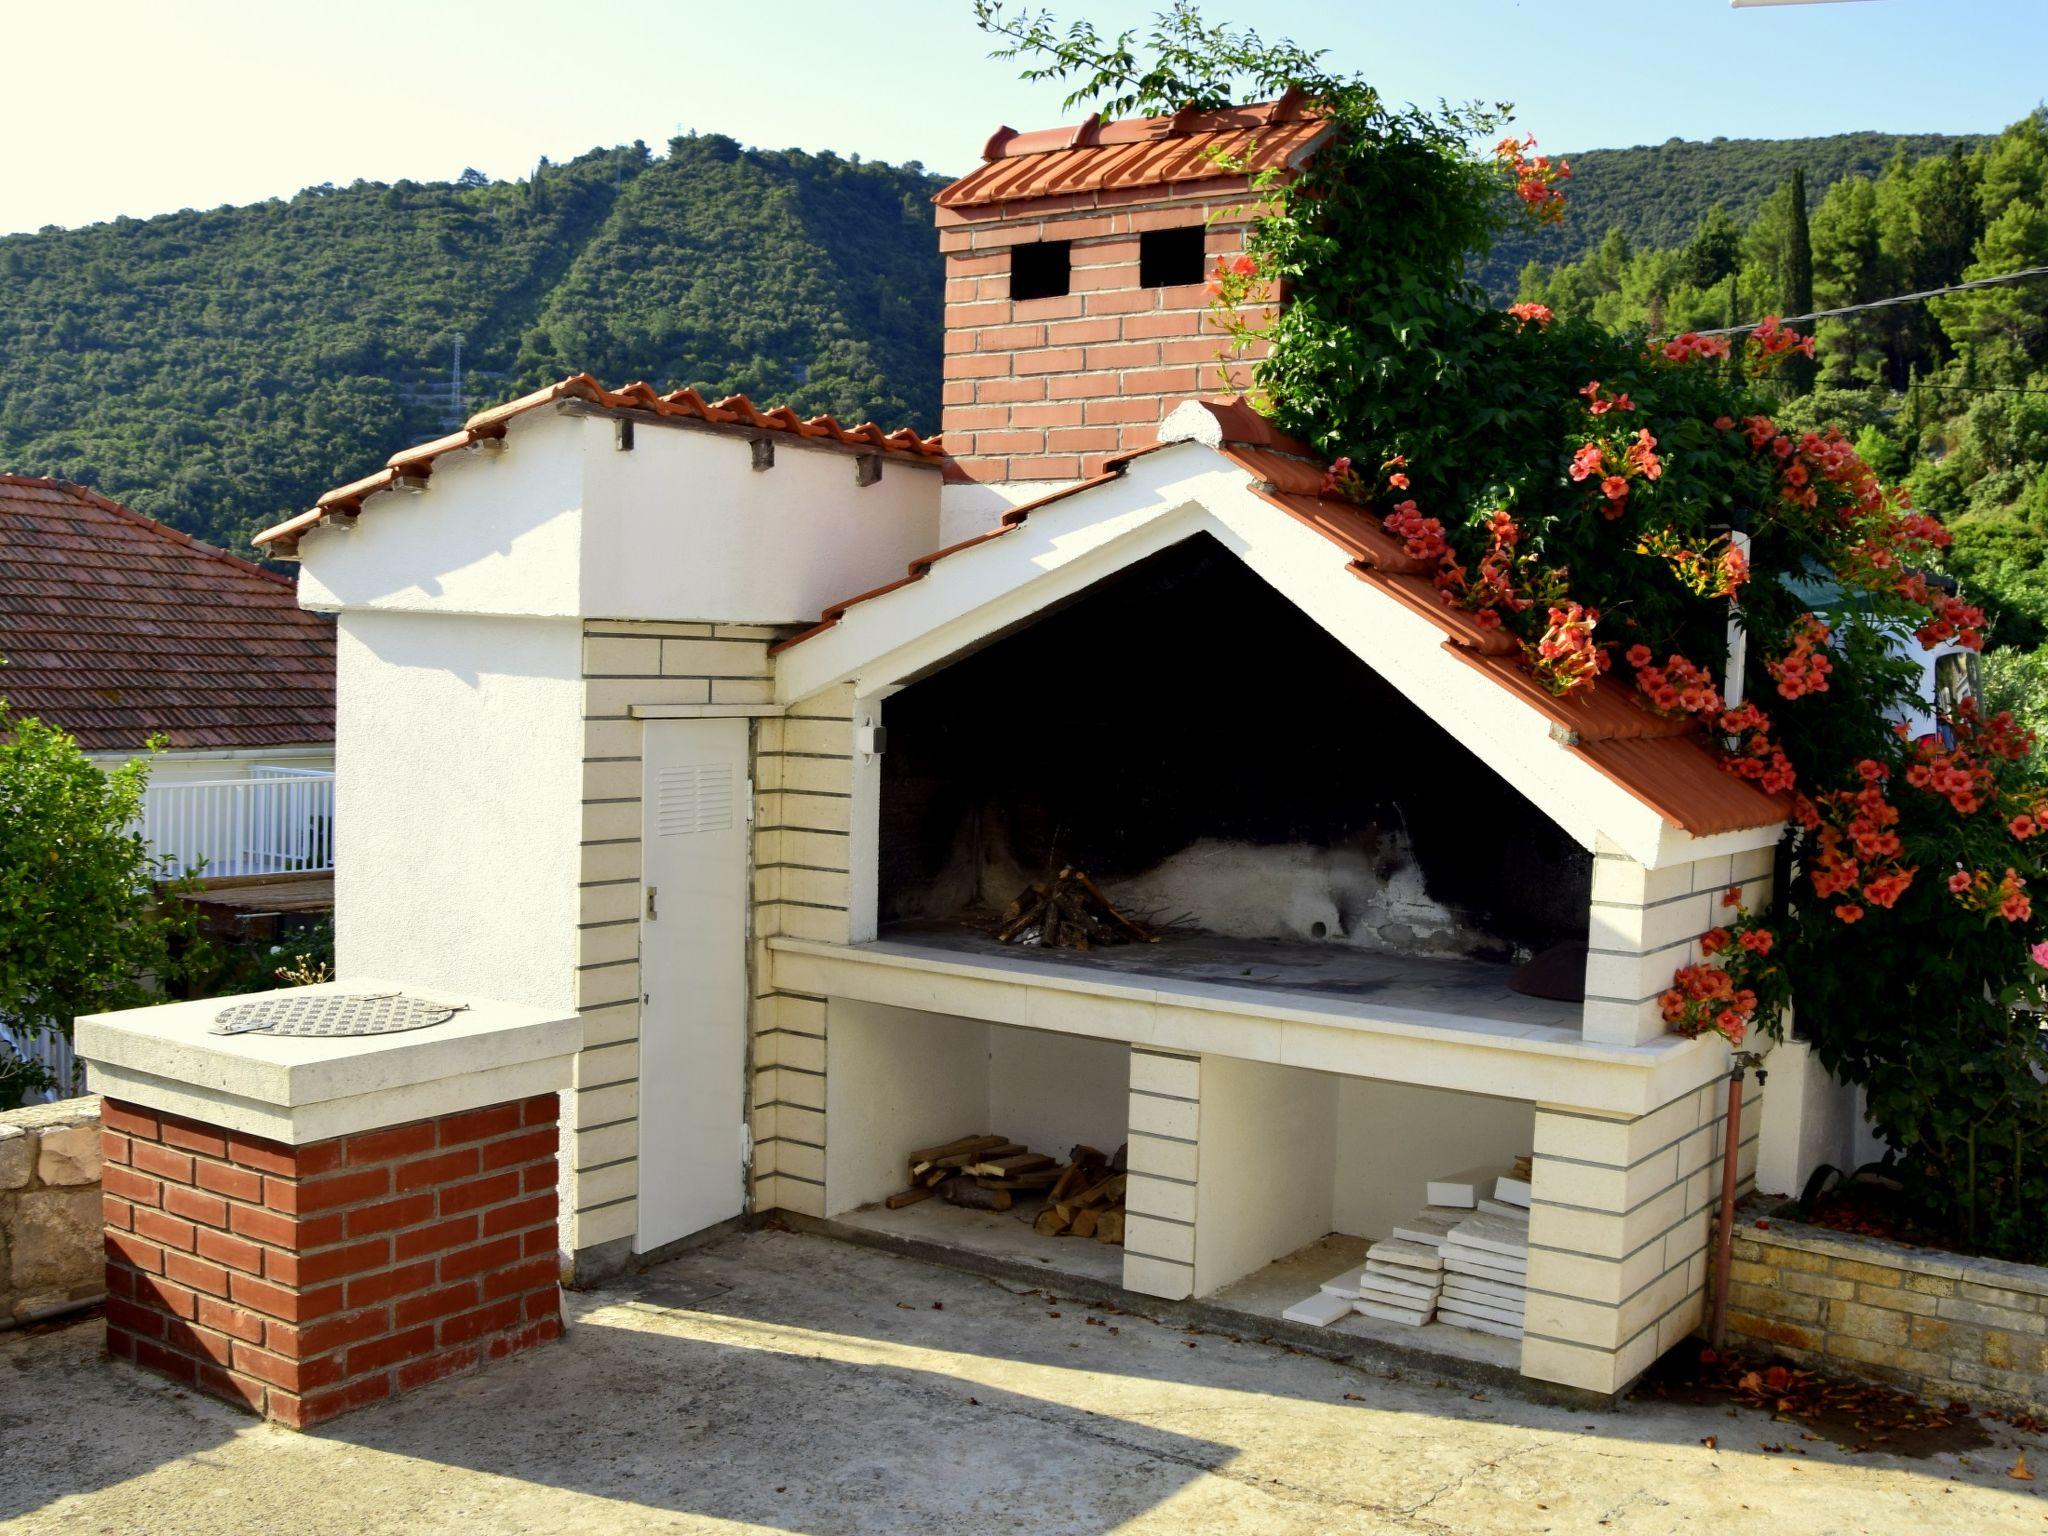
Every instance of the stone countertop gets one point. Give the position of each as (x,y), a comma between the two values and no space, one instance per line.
(302,1088)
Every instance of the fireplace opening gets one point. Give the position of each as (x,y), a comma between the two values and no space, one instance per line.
(1215,762)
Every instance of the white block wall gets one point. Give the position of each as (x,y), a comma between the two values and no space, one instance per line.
(1619,1231)
(803,820)
(1165,1161)
(1646,924)
(626,663)
(903,1078)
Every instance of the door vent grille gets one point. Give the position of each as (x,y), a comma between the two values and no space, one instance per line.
(693,797)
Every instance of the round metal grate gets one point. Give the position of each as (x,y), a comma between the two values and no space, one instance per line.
(333,1014)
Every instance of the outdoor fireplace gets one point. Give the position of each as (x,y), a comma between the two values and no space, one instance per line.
(1218,763)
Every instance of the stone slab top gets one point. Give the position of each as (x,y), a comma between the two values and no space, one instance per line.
(1414,1039)
(297,1088)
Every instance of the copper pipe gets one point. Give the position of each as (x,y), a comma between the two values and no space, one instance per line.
(1725,1248)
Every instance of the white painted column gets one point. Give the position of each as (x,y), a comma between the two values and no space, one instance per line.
(1164,1156)
(1233,1165)
(1619,1232)
(1646,924)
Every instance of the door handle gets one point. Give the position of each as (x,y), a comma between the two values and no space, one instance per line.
(650,904)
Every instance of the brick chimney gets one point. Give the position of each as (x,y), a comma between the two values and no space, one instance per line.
(1077,290)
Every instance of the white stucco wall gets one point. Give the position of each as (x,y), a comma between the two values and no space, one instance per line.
(683,526)
(497,530)
(1052,1091)
(458,803)
(1810,1118)
(1393,1138)
(1267,1159)
(895,1080)
(194,767)
(558,519)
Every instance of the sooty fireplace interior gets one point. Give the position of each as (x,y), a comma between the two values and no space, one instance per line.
(1208,754)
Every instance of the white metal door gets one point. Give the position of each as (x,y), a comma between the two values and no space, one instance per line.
(694,805)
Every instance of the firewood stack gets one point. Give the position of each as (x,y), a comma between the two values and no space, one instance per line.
(1068,911)
(1084,1197)
(1087,1199)
(984,1172)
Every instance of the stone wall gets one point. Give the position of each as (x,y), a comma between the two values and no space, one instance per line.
(1937,1324)
(50,1253)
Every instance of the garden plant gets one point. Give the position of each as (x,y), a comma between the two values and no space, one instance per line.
(1610,499)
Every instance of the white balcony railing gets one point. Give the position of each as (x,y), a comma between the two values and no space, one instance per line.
(277,821)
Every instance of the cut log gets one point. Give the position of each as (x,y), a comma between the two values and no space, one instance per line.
(1077,1175)
(927,1158)
(1010,1166)
(1038,1179)
(1069,911)
(996,1147)
(1085,1222)
(1107,908)
(964,1192)
(1052,1221)
(958,1144)
(904,1197)
(1109,1192)
(1109,1226)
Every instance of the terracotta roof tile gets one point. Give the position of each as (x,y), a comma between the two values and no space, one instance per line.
(117,628)
(414,465)
(1138,152)
(1664,763)
(1682,779)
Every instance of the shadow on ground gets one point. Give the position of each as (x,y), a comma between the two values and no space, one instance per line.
(785,1382)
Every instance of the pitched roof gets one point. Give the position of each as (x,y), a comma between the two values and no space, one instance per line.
(412,466)
(1664,763)
(1095,156)
(117,628)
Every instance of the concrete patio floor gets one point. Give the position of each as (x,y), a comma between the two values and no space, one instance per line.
(778,1381)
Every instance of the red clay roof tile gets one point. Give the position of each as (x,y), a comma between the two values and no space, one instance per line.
(1138,152)
(415,465)
(117,628)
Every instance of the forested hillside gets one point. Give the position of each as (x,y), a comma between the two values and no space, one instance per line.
(1948,396)
(1656,193)
(221,369)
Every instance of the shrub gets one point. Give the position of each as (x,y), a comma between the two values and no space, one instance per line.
(1608,500)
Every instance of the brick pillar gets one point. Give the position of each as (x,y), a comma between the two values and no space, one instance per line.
(304,1281)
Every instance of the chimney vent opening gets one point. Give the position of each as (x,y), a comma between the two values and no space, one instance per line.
(1171,258)
(1042,269)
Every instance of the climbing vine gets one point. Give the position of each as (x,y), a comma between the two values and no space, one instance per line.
(1608,500)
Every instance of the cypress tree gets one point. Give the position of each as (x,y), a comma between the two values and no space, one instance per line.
(1799,371)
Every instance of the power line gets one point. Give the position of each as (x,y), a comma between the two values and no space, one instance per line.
(1897,298)
(1976,389)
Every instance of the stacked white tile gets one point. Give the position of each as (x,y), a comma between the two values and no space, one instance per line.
(1486,1274)
(1400,1282)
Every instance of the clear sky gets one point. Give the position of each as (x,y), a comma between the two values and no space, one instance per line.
(140,107)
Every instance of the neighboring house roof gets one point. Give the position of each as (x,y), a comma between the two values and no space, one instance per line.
(411,466)
(1146,152)
(1663,763)
(117,628)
